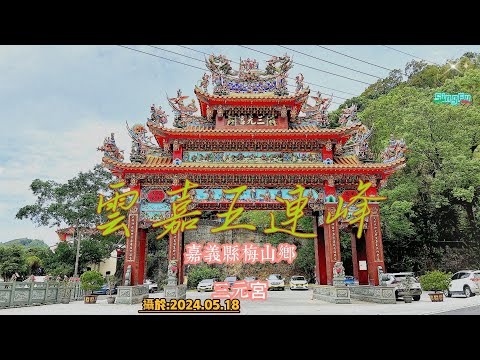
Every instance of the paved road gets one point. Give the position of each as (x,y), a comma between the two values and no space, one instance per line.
(472,310)
(278,303)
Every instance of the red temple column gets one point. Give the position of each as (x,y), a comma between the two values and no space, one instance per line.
(320,262)
(332,241)
(321,259)
(141,258)
(131,251)
(175,254)
(175,240)
(373,243)
(354,255)
(177,155)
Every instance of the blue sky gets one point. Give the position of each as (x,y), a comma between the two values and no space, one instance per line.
(57,103)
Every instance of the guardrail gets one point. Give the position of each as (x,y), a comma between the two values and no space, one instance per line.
(18,294)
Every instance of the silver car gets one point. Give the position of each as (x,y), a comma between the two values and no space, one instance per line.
(298,282)
(276,281)
(396,280)
(206,285)
(465,282)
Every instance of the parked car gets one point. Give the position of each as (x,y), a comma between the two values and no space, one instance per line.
(298,282)
(250,278)
(152,285)
(104,290)
(231,280)
(466,282)
(395,279)
(276,281)
(349,280)
(206,285)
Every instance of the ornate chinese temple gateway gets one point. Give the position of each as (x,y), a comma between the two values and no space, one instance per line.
(251,131)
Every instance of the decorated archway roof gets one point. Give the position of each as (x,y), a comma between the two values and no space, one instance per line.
(296,100)
(342,164)
(301,132)
(250,123)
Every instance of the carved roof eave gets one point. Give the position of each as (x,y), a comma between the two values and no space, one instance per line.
(385,168)
(196,131)
(297,98)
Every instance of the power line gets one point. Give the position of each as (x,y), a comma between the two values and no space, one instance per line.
(352,57)
(308,66)
(161,57)
(179,62)
(328,62)
(403,52)
(173,52)
(306,82)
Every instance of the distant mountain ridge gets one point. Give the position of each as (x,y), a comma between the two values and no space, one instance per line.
(26,242)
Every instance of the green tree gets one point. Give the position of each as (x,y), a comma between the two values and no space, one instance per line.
(157,258)
(435,199)
(12,260)
(34,263)
(305,261)
(73,203)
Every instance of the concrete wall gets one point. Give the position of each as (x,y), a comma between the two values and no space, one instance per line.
(109,264)
(203,235)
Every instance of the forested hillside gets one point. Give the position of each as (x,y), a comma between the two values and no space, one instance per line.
(431,217)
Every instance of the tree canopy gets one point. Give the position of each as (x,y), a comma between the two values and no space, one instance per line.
(433,202)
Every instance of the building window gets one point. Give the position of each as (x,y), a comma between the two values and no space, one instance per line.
(107,273)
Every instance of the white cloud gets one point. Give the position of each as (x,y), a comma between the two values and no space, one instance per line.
(48,156)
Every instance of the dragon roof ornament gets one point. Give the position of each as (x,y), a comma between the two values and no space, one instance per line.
(395,150)
(357,145)
(316,114)
(249,78)
(141,145)
(110,148)
(184,113)
(349,116)
(158,116)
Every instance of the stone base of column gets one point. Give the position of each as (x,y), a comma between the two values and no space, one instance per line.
(376,294)
(131,294)
(333,294)
(175,292)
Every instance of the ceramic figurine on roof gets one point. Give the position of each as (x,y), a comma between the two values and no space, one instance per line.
(204,83)
(141,145)
(357,145)
(394,151)
(158,116)
(110,149)
(349,116)
(184,113)
(249,78)
(299,82)
(316,114)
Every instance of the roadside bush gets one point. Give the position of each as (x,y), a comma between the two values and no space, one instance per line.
(91,280)
(435,281)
